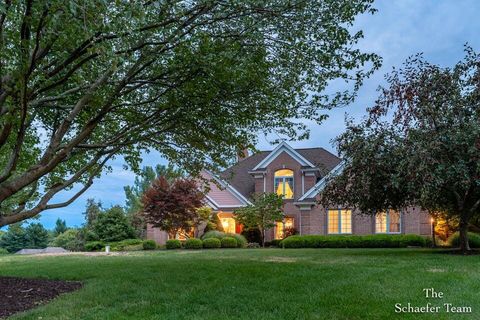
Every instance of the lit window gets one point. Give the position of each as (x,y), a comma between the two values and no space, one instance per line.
(339,221)
(284,183)
(388,222)
(280,227)
(228,225)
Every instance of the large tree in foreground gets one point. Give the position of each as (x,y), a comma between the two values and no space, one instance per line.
(82,83)
(420,145)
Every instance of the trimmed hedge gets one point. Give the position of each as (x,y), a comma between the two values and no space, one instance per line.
(94,246)
(352,241)
(193,243)
(229,242)
(274,243)
(173,244)
(211,243)
(473,240)
(149,245)
(241,240)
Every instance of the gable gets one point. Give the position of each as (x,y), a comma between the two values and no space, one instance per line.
(221,194)
(283,147)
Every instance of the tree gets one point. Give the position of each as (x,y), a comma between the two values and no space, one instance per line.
(173,207)
(36,236)
(133,194)
(60,227)
(70,239)
(263,213)
(92,211)
(113,225)
(420,145)
(194,80)
(14,239)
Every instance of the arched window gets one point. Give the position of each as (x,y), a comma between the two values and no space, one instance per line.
(284,183)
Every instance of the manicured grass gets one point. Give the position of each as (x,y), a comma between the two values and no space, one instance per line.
(254,284)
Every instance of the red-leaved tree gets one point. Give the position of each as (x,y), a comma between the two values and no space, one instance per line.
(173,207)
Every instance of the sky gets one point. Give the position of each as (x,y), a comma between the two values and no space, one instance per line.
(401,28)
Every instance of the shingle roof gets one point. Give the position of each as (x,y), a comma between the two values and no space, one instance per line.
(238,176)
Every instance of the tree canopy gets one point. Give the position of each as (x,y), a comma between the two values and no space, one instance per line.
(81,84)
(419,146)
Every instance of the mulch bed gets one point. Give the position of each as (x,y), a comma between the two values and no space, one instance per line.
(20,294)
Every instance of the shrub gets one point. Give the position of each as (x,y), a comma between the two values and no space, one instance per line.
(149,245)
(126,245)
(241,241)
(253,245)
(352,241)
(252,235)
(173,244)
(229,242)
(3,251)
(113,225)
(211,243)
(193,243)
(473,240)
(94,246)
(69,240)
(214,234)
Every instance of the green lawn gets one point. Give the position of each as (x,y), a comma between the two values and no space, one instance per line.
(254,284)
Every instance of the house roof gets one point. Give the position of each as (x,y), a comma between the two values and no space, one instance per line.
(239,177)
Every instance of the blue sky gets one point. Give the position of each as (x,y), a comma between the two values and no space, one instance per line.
(400,28)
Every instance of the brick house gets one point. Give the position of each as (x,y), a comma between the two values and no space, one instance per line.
(299,175)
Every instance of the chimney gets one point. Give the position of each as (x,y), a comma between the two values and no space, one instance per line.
(242,154)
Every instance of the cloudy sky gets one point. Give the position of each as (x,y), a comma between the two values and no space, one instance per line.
(400,28)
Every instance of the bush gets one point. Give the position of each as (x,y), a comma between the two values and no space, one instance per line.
(149,245)
(229,242)
(193,243)
(214,234)
(69,240)
(351,241)
(126,245)
(3,251)
(211,243)
(473,240)
(241,241)
(113,225)
(252,235)
(94,246)
(173,244)
(253,245)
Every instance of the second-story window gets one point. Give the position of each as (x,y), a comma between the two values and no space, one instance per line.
(284,183)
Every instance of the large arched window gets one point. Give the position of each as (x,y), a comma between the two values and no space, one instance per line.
(284,183)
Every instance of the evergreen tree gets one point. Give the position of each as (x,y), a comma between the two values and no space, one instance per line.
(113,225)
(60,227)
(36,236)
(92,211)
(14,239)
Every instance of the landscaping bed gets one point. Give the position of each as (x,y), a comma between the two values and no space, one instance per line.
(20,294)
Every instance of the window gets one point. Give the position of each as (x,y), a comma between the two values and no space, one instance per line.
(388,222)
(284,183)
(339,221)
(228,225)
(280,227)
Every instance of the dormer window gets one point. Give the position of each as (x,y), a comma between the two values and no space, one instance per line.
(284,183)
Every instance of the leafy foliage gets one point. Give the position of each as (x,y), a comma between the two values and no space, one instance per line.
(36,236)
(265,210)
(473,240)
(60,227)
(69,240)
(173,244)
(113,225)
(193,243)
(149,245)
(352,241)
(228,242)
(82,84)
(211,243)
(173,206)
(14,239)
(420,145)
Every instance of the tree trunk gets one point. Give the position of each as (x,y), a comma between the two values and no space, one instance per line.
(464,245)
(263,237)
